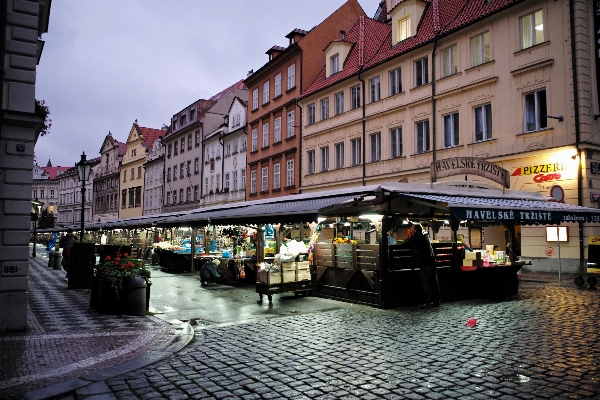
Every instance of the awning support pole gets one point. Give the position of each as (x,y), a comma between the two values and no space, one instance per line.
(193,249)
(559,261)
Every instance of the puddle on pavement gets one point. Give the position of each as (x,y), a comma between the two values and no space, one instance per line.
(516,378)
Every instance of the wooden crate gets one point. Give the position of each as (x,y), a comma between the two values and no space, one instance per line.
(289,276)
(269,279)
(303,274)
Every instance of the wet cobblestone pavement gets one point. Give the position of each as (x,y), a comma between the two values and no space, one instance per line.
(539,344)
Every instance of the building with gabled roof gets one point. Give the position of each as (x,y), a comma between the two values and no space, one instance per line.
(184,148)
(131,171)
(274,145)
(45,186)
(444,79)
(106,180)
(69,209)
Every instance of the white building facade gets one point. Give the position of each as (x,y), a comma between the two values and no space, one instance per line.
(155,164)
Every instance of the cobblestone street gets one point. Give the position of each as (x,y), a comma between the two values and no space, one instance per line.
(541,343)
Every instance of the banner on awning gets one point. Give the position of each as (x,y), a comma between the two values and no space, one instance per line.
(522,216)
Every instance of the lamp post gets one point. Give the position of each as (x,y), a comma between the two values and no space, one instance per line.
(83,170)
(35,214)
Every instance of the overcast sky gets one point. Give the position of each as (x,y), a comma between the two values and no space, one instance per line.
(107,63)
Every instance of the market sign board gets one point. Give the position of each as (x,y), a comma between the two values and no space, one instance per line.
(470,166)
(522,216)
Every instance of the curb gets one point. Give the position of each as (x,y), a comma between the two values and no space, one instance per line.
(94,385)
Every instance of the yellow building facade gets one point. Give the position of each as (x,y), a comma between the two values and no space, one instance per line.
(498,87)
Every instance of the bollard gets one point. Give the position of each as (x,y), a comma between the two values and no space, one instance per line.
(51,259)
(58,260)
(136,296)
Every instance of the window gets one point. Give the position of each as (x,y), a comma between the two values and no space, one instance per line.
(355,97)
(535,110)
(255,99)
(197,138)
(131,197)
(188,194)
(396,142)
(339,155)
(324,159)
(290,173)
(183,117)
(169,174)
(181,195)
(265,92)
(339,103)
(175,172)
(192,114)
(375,146)
(421,72)
(226,181)
(404,28)
(243,176)
(449,61)
(235,180)
(254,140)
(182,149)
(325,108)
(253,181)
(175,148)
(196,165)
(310,167)
(335,64)
(276,176)
(310,114)
(169,150)
(532,29)
(190,141)
(132,175)
(265,179)
(227,152)
(395,81)
(124,198)
(174,196)
(139,172)
(451,130)
(237,120)
(189,168)
(278,85)
(422,136)
(243,140)
(196,193)
(42,193)
(205,186)
(291,76)
(374,84)
(265,135)
(480,49)
(235,146)
(290,124)
(483,122)
(181,166)
(277,130)
(51,193)
(356,154)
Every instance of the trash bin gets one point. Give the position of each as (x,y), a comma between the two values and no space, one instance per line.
(57,260)
(51,259)
(136,296)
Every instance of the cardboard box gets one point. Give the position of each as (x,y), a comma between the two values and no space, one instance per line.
(302,265)
(468,263)
(303,274)
(289,276)
(269,279)
(288,266)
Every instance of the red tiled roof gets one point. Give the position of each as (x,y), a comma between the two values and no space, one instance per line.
(148,135)
(52,172)
(238,85)
(373,40)
(122,147)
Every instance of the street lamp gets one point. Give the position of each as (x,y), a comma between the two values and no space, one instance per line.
(83,170)
(35,214)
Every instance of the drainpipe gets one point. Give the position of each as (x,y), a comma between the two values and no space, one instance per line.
(364,127)
(433,122)
(577,127)
(300,146)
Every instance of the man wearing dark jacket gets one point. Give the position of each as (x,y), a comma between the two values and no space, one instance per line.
(424,258)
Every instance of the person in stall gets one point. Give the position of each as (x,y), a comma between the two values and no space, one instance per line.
(424,258)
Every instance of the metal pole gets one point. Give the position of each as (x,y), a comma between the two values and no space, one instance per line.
(34,236)
(558,241)
(82,208)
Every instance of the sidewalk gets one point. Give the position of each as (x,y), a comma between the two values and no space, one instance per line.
(66,338)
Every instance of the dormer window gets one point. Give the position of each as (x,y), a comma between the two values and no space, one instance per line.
(404,28)
(335,64)
(342,35)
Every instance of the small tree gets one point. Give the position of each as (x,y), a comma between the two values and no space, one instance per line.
(46,219)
